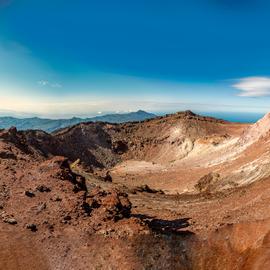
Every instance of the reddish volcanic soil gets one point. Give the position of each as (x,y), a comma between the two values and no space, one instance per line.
(176,192)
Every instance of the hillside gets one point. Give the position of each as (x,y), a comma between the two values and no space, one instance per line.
(180,191)
(50,125)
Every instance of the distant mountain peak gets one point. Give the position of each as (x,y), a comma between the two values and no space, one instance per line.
(141,111)
(50,125)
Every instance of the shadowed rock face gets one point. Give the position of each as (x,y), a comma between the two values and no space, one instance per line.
(104,145)
(54,215)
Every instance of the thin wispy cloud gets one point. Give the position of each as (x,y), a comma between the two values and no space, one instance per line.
(253,87)
(44,83)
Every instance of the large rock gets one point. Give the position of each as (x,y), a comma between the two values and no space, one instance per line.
(108,205)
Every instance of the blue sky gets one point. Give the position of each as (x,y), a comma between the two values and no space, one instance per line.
(65,58)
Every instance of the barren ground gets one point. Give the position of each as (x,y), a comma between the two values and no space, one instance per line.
(175,192)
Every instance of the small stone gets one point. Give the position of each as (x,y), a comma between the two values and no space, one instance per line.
(32,227)
(43,188)
(29,193)
(3,214)
(11,221)
(51,227)
(107,177)
(67,218)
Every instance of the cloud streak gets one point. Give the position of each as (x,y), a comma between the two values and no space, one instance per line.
(253,87)
(44,83)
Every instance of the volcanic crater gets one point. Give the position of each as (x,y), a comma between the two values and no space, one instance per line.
(182,191)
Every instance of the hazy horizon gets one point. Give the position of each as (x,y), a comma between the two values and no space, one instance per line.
(242,117)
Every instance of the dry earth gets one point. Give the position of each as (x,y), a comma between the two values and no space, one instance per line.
(176,192)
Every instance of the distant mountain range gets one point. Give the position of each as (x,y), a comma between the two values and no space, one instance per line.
(50,125)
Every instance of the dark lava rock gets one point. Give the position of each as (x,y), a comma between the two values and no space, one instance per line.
(32,227)
(43,188)
(7,155)
(11,221)
(29,193)
(67,218)
(107,177)
(146,188)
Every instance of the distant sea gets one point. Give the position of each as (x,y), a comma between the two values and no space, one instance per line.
(240,117)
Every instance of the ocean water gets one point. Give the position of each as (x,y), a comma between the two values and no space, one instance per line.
(240,117)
